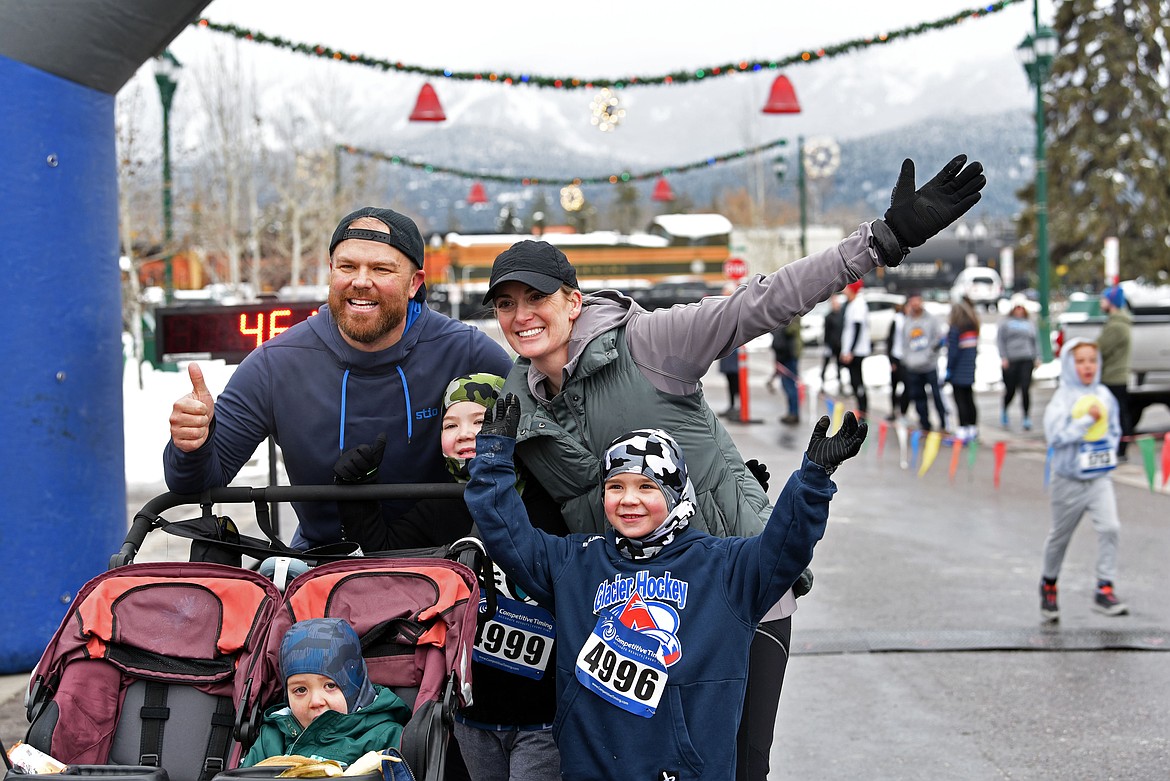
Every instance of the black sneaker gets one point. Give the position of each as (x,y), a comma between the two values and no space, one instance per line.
(1107,602)
(1049,610)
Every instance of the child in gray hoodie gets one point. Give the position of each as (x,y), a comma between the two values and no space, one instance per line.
(1082,426)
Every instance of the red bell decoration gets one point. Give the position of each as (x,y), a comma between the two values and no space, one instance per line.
(427,108)
(783,98)
(662,191)
(477,195)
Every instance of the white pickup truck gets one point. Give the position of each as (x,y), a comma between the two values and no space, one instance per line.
(1149,363)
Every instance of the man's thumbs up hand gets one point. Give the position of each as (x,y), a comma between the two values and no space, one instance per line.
(191,415)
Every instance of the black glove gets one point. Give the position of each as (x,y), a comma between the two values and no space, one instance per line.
(504,419)
(803,584)
(916,215)
(360,464)
(829,452)
(760,472)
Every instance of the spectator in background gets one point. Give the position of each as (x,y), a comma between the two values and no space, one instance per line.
(834,325)
(855,345)
(962,346)
(1019,353)
(922,339)
(729,368)
(899,392)
(1114,342)
(786,347)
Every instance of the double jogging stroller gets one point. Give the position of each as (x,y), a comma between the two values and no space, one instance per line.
(162,671)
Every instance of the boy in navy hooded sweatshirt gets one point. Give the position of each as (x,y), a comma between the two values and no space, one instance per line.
(655,618)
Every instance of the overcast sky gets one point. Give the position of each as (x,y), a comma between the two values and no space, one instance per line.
(968,68)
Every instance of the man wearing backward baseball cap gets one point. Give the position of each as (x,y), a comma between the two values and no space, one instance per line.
(368,369)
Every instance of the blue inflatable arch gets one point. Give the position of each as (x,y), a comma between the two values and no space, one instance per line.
(62,470)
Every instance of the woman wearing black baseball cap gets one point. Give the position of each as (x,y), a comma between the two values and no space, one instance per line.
(593,367)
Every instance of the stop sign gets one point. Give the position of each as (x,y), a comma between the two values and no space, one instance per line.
(735,268)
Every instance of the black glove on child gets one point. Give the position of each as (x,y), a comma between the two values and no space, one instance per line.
(916,215)
(360,464)
(829,452)
(504,419)
(803,584)
(760,472)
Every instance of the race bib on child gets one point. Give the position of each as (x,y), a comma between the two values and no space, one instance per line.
(623,666)
(1095,458)
(518,639)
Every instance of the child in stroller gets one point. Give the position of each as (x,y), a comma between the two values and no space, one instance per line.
(334,711)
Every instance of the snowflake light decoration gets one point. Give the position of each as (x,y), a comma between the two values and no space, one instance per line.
(607,110)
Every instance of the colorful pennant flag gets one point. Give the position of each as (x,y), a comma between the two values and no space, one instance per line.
(956,450)
(1146,443)
(1000,453)
(1165,458)
(930,451)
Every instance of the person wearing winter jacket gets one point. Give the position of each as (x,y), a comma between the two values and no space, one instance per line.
(1082,426)
(506,732)
(1019,353)
(962,347)
(374,361)
(332,709)
(1115,342)
(655,617)
(921,342)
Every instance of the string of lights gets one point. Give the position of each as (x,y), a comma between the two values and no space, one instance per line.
(525,180)
(577,82)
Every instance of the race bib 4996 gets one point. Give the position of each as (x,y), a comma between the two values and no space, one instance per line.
(623,666)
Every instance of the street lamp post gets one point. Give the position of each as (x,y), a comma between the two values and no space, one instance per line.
(1036,54)
(166,71)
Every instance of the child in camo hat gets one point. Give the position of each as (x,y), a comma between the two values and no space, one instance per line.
(509,723)
(334,711)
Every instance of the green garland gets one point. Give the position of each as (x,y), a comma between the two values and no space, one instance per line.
(573,82)
(624,176)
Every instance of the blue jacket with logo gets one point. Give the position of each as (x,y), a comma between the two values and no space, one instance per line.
(318,396)
(700,598)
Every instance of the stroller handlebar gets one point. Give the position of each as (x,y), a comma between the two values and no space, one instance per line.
(149,516)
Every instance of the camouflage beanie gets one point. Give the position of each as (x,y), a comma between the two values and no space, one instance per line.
(481,388)
(329,647)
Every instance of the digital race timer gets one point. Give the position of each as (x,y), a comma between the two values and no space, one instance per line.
(227,332)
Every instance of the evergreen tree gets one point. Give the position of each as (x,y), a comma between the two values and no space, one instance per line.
(1108,140)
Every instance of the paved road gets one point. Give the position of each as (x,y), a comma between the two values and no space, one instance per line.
(919,654)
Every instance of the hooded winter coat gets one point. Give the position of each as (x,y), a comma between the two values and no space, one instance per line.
(628,368)
(339,736)
(317,396)
(1115,341)
(1067,425)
